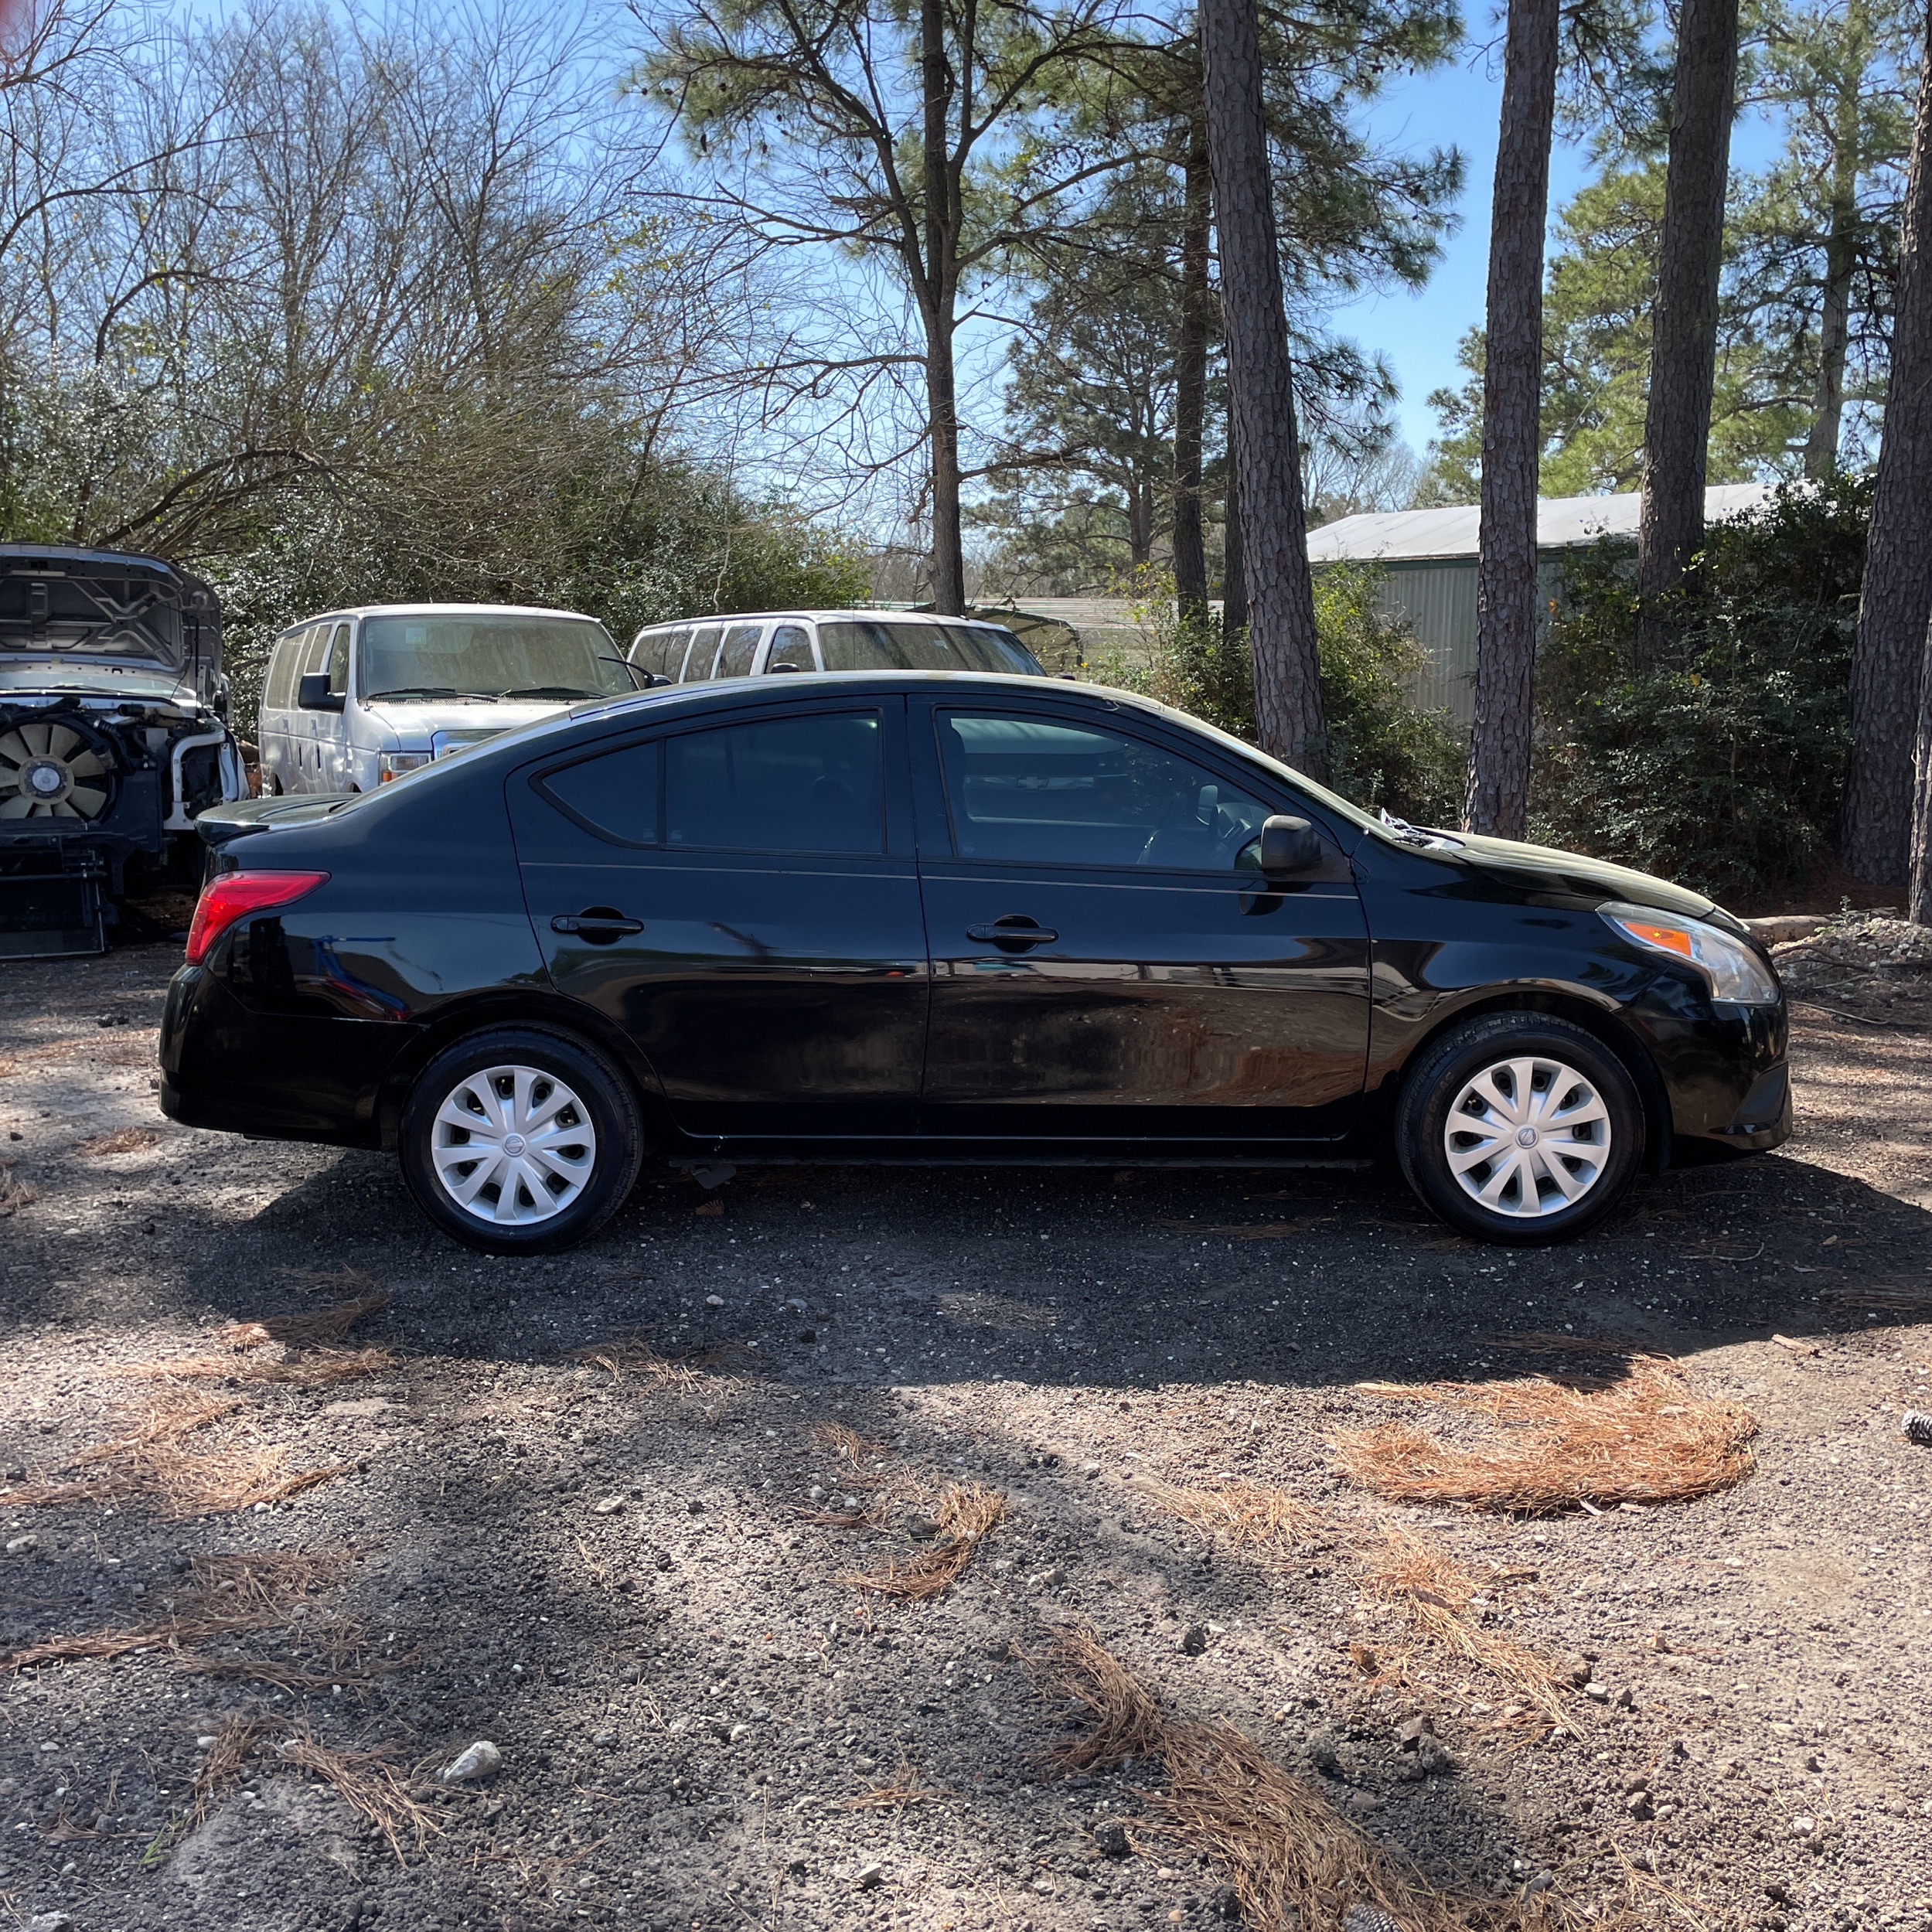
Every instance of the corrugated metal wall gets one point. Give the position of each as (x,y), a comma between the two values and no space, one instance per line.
(1439,602)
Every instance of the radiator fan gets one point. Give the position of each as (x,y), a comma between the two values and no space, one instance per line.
(50,771)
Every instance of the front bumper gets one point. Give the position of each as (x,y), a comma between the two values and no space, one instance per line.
(278,1077)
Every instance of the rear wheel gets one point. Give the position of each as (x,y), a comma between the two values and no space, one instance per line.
(520,1141)
(1519,1128)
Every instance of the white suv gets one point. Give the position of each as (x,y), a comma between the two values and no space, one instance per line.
(358,697)
(696,650)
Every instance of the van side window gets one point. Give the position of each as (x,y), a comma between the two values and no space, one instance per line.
(316,657)
(277,687)
(739,647)
(697,666)
(338,662)
(791,649)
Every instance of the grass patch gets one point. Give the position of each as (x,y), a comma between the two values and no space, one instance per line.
(1550,1446)
(1293,1861)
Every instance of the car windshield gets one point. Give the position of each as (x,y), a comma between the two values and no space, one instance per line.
(877,644)
(455,654)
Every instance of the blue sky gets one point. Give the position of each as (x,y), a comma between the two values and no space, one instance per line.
(1460,106)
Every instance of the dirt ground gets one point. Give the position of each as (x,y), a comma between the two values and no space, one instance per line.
(604,1511)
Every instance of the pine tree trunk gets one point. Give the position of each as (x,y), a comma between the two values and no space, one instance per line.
(1677,417)
(1281,606)
(1497,801)
(1190,377)
(942,274)
(1835,331)
(1887,822)
(1234,568)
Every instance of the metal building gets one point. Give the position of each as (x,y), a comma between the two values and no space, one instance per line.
(1430,556)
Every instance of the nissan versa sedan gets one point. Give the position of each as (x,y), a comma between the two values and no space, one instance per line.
(938,917)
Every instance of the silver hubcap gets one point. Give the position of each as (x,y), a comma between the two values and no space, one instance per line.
(512,1145)
(1528,1137)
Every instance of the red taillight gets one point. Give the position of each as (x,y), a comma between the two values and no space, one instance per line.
(235,895)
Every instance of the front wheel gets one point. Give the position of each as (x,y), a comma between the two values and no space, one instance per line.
(519,1141)
(1519,1128)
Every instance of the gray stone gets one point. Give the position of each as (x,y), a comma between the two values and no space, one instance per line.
(1110,1835)
(1412,1730)
(23,1545)
(480,1762)
(1192,1640)
(869,1876)
(50,1922)
(1433,1759)
(1324,1755)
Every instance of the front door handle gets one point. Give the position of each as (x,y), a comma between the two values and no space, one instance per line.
(598,924)
(1016,929)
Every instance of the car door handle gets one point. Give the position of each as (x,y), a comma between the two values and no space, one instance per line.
(1015,929)
(598,924)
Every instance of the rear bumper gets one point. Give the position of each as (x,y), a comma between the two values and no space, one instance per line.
(279,1078)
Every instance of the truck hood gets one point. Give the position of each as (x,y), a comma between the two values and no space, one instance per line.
(427,725)
(1543,868)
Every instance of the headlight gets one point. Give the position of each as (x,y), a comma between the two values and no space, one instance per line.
(1734,970)
(393,765)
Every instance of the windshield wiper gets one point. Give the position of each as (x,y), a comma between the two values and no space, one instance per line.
(433,690)
(551,690)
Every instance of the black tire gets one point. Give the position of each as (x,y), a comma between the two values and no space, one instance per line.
(589,1151)
(1597,1150)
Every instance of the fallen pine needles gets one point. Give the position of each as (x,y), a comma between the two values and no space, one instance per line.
(1438,1596)
(1647,1439)
(1294,1860)
(1248,1515)
(189,1453)
(634,1357)
(317,1325)
(370,1782)
(967,1513)
(899,1792)
(234,1744)
(310,1368)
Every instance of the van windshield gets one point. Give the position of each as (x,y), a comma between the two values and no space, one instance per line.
(456,656)
(877,644)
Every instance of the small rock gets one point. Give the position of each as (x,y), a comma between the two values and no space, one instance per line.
(606,1738)
(1412,1730)
(23,1545)
(1638,1804)
(695,1505)
(482,1761)
(50,1922)
(1597,1693)
(1323,1754)
(869,1876)
(1110,1835)
(1192,1640)
(922,1529)
(609,1506)
(714,1301)
(1803,1827)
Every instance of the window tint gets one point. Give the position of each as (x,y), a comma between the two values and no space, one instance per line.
(1028,788)
(739,647)
(880,644)
(614,796)
(785,784)
(661,652)
(338,661)
(791,649)
(697,666)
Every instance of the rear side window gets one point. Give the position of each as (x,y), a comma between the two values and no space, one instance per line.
(697,666)
(813,784)
(662,653)
(615,795)
(791,649)
(740,646)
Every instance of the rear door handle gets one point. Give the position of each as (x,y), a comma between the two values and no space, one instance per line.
(1015,929)
(598,924)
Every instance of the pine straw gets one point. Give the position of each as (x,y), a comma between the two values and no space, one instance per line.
(900,1791)
(318,1325)
(967,1513)
(122,1140)
(1294,1860)
(1647,1439)
(633,1357)
(226,1597)
(234,1744)
(313,1368)
(176,1456)
(1247,1514)
(370,1782)
(1437,1595)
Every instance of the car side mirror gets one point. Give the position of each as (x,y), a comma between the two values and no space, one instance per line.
(1288,845)
(656,680)
(313,693)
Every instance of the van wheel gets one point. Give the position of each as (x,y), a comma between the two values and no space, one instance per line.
(1520,1128)
(518,1141)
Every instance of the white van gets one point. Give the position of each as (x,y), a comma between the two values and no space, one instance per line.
(757,645)
(358,697)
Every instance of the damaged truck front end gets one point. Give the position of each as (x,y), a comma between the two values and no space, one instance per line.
(114,739)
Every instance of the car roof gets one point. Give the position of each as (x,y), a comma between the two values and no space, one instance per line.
(764,617)
(435,610)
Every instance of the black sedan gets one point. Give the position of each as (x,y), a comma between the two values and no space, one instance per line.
(925,917)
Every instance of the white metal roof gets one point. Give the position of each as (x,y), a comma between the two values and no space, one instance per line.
(1394,537)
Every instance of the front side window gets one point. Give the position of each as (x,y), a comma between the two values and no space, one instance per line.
(740,646)
(882,644)
(1033,789)
(814,784)
(314,651)
(791,649)
(338,662)
(455,654)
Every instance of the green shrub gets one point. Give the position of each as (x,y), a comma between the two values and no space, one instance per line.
(1385,753)
(1721,765)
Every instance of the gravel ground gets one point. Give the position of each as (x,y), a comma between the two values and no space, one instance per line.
(630,1576)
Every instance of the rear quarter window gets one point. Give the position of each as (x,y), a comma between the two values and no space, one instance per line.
(614,796)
